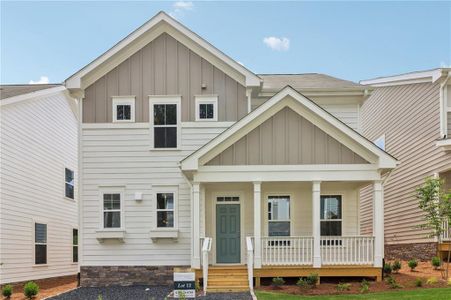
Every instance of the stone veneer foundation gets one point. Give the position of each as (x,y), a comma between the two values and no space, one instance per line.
(97,276)
(419,251)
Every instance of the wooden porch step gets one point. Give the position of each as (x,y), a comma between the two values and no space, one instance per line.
(227,279)
(228,289)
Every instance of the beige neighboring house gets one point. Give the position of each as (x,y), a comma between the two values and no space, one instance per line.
(189,159)
(38,185)
(409,116)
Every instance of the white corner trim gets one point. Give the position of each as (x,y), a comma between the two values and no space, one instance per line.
(28,96)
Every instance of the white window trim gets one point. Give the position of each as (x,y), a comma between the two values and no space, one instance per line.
(64,189)
(289,212)
(121,210)
(46,243)
(153,100)
(207,99)
(341,212)
(124,100)
(166,189)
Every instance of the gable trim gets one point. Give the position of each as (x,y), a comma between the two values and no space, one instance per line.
(160,23)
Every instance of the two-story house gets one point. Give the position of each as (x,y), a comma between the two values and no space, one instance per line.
(190,159)
(409,115)
(38,183)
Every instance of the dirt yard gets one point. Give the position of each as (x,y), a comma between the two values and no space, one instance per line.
(328,286)
(47,287)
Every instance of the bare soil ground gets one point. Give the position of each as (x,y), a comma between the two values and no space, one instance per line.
(47,287)
(328,286)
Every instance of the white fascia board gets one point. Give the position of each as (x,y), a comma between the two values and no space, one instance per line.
(409,78)
(33,95)
(74,81)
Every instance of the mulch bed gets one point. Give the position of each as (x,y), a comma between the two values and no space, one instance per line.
(47,287)
(328,286)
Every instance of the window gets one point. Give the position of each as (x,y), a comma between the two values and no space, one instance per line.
(124,109)
(380,142)
(40,244)
(112,210)
(279,215)
(69,183)
(330,215)
(206,108)
(165,210)
(228,199)
(165,120)
(74,245)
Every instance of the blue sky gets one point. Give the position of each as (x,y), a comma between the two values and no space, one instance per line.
(350,40)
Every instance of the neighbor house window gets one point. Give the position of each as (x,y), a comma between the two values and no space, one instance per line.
(112,210)
(123,109)
(69,183)
(206,108)
(74,245)
(165,121)
(40,243)
(279,216)
(380,142)
(331,215)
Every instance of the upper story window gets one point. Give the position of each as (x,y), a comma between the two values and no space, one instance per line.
(69,183)
(279,216)
(112,210)
(331,216)
(380,142)
(124,109)
(206,108)
(165,122)
(40,243)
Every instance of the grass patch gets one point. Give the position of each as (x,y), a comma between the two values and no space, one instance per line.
(433,294)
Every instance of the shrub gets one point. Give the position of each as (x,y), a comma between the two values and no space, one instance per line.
(341,287)
(396,266)
(387,268)
(418,282)
(302,283)
(30,289)
(435,262)
(432,280)
(7,291)
(392,283)
(449,282)
(278,281)
(312,279)
(412,264)
(364,286)
(99,297)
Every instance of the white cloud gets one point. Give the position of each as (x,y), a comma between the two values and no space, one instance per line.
(277,44)
(180,7)
(42,80)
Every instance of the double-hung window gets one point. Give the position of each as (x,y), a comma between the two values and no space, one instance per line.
(165,209)
(331,215)
(124,109)
(40,243)
(165,122)
(111,210)
(206,108)
(69,183)
(279,216)
(74,245)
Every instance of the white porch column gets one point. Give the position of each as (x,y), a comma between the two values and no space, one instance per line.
(257,225)
(378,222)
(195,263)
(316,226)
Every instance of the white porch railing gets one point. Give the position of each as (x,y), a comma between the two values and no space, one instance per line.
(287,250)
(206,247)
(347,250)
(446,234)
(250,262)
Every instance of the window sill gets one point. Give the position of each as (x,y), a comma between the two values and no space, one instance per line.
(165,149)
(163,233)
(108,234)
(69,199)
(40,265)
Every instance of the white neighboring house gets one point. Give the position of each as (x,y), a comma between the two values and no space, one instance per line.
(38,185)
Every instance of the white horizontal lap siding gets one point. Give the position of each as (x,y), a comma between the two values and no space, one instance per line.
(38,140)
(347,113)
(122,157)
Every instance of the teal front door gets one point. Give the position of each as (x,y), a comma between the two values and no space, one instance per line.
(228,233)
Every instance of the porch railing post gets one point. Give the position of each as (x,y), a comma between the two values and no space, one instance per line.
(378,222)
(196,226)
(316,193)
(257,226)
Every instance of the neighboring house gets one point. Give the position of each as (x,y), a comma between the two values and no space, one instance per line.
(38,186)
(409,116)
(189,159)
